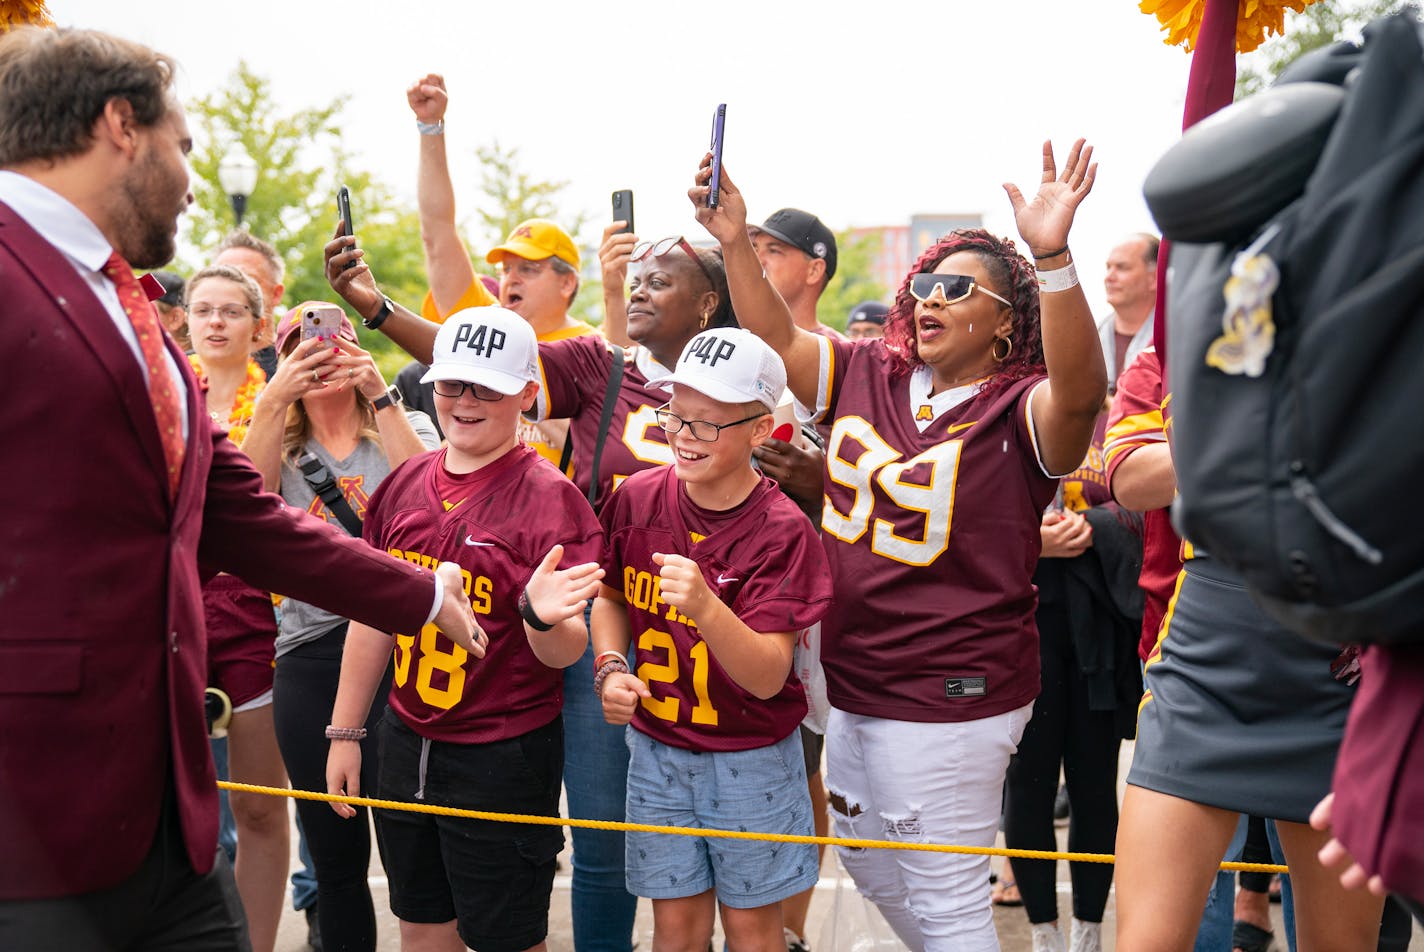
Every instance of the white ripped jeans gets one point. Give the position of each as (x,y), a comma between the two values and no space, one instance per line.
(929,783)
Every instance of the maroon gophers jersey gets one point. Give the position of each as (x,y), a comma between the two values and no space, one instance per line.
(761,558)
(931,521)
(573,378)
(497,523)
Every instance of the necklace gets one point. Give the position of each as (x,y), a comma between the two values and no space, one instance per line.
(239,418)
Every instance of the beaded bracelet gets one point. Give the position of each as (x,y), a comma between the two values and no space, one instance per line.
(609,667)
(345,733)
(598,658)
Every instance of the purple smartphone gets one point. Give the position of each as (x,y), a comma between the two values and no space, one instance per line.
(719,119)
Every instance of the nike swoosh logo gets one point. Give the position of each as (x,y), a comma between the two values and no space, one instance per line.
(470,540)
(960,426)
(723,580)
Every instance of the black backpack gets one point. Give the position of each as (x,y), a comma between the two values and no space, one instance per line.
(1306,477)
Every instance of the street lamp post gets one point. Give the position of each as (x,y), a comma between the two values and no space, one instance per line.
(237,174)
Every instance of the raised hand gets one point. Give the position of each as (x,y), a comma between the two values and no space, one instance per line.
(427,98)
(356,284)
(557,594)
(1044,222)
(729,219)
(303,370)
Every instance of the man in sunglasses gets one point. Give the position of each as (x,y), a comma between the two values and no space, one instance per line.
(798,253)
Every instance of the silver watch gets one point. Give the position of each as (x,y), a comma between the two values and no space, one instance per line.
(390,397)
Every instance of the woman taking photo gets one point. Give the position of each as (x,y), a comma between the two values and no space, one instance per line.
(225,320)
(947,437)
(327,402)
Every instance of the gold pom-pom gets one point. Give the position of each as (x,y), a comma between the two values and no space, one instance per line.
(15,13)
(1255,22)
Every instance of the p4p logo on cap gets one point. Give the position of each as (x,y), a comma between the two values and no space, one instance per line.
(480,338)
(709,349)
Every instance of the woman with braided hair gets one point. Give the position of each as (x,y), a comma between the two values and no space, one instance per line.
(947,439)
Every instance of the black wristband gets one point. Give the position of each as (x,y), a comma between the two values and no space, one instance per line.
(371,323)
(1051,254)
(527,610)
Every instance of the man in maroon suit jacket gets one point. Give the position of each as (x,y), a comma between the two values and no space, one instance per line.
(108,809)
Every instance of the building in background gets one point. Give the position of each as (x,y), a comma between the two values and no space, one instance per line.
(899,245)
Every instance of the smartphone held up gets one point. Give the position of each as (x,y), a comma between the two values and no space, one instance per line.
(719,120)
(343,208)
(321,320)
(623,210)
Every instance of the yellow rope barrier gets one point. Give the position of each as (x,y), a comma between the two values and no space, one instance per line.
(711,834)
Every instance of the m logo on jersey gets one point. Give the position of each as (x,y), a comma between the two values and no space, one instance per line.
(480,338)
(710,349)
(351,487)
(925,412)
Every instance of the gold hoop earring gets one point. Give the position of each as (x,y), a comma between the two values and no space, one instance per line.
(706,316)
(1008,349)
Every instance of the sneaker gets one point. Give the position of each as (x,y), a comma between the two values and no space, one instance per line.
(1047,937)
(313,928)
(794,943)
(1060,806)
(1086,937)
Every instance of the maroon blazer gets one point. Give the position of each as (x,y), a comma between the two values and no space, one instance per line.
(103,653)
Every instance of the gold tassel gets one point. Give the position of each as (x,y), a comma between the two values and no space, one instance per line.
(15,13)
(1257,20)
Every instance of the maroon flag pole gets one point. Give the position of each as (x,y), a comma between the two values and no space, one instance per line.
(1210,86)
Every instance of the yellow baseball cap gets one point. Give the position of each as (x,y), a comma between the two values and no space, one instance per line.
(537,239)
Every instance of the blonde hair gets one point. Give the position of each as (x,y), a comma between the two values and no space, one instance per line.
(250,288)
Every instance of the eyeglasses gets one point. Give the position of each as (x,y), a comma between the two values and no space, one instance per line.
(229,312)
(454,389)
(524,267)
(656,249)
(952,287)
(701,430)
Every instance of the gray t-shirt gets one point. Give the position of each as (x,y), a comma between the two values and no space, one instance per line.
(358,475)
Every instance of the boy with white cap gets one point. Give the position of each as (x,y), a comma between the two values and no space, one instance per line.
(482,733)
(716,574)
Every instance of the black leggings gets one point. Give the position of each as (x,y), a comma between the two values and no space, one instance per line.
(303,692)
(1086,743)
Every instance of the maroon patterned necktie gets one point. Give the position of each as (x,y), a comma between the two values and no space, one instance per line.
(161,386)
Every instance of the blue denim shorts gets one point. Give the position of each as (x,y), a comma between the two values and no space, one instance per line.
(760,790)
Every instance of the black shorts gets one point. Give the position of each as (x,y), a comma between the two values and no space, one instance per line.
(494,878)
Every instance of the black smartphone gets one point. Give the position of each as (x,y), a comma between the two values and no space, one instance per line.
(343,208)
(719,119)
(623,209)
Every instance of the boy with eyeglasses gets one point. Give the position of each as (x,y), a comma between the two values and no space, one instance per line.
(715,573)
(481,733)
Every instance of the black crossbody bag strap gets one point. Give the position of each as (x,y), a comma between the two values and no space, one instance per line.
(610,398)
(321,481)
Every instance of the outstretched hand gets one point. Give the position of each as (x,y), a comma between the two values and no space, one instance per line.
(1044,222)
(456,618)
(728,221)
(1334,855)
(427,98)
(556,594)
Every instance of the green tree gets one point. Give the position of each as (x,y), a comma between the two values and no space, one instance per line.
(1319,24)
(854,280)
(511,195)
(300,162)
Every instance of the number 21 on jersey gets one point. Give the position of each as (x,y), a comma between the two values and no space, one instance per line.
(880,472)
(668,708)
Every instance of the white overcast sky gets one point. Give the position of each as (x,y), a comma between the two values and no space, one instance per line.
(863,112)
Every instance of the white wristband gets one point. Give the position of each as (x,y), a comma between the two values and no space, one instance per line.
(436,128)
(1060,279)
